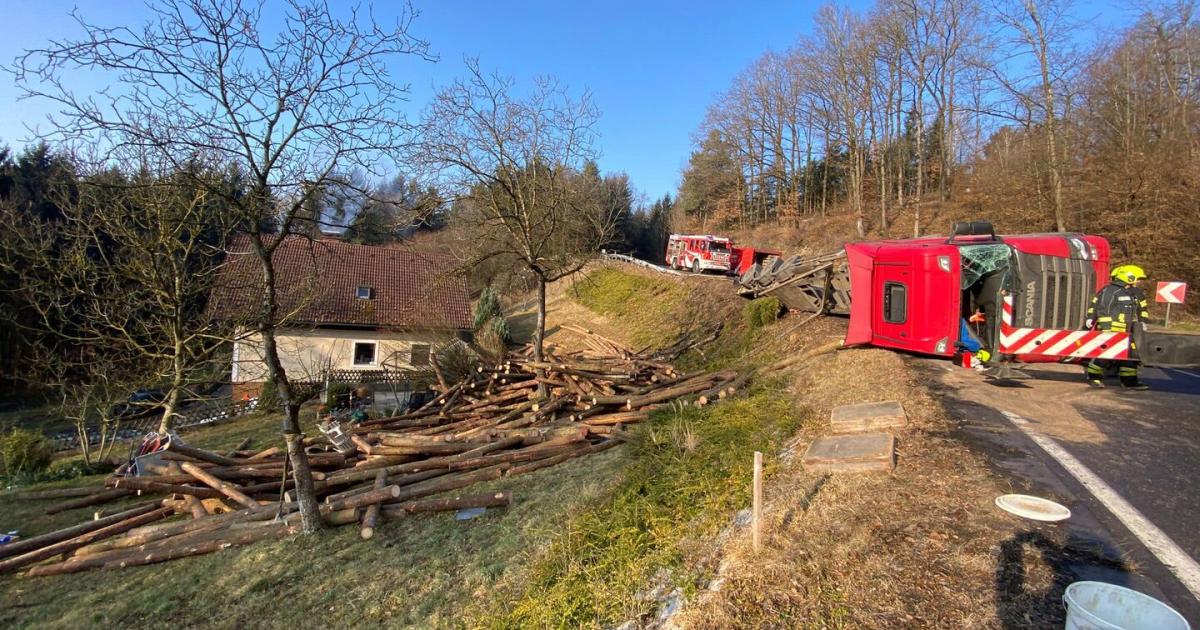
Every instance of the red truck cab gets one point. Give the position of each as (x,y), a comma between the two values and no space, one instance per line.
(1033,291)
(698,252)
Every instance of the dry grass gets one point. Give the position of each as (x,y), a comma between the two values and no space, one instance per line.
(923,546)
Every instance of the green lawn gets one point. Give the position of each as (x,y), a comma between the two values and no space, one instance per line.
(423,571)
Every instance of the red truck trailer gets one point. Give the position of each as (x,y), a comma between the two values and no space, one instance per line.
(1032,290)
(744,257)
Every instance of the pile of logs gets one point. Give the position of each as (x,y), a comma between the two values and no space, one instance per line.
(519,416)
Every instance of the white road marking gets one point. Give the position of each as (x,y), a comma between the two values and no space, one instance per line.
(1184,372)
(1163,548)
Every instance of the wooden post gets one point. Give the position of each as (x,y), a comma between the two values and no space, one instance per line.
(756,519)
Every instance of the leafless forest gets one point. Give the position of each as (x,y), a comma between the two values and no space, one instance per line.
(995,109)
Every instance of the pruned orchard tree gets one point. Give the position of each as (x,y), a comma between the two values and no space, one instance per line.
(289,98)
(516,162)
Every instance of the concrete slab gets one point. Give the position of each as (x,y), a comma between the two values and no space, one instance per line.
(851,453)
(868,417)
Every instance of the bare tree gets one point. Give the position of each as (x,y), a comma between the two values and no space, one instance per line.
(1041,30)
(289,109)
(515,163)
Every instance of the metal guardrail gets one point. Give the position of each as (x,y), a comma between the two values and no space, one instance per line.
(639,262)
(201,414)
(218,410)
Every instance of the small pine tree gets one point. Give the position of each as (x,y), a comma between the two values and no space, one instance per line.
(491,328)
(487,307)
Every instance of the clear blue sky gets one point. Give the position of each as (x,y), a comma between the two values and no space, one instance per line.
(653,67)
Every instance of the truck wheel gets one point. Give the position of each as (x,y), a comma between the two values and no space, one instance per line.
(695,266)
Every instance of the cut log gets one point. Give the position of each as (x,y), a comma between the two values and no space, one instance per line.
(36,542)
(195,506)
(626,417)
(74,543)
(92,499)
(200,454)
(372,512)
(223,487)
(266,453)
(493,499)
(58,493)
(135,483)
(449,482)
(387,493)
(166,553)
(560,458)
(243,445)
(150,533)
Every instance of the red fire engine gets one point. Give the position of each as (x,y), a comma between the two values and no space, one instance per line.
(699,253)
(918,295)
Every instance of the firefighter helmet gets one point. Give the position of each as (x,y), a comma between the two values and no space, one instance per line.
(1129,273)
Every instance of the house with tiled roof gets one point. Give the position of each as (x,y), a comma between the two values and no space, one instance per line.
(345,307)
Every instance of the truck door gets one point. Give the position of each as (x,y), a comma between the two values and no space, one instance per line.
(894,293)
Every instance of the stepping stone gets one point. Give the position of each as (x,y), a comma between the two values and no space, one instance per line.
(851,453)
(868,417)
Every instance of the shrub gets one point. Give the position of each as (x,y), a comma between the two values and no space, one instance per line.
(268,400)
(338,396)
(74,468)
(24,453)
(761,312)
(493,338)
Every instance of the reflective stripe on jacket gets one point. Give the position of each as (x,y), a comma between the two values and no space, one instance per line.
(1117,307)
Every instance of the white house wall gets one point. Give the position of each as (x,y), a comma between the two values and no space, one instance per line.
(306,353)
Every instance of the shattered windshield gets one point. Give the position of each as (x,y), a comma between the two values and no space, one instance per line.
(980,260)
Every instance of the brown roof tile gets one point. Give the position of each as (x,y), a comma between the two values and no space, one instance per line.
(317,280)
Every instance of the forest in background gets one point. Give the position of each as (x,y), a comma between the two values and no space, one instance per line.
(975,109)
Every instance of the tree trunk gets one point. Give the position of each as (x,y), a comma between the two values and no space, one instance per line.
(306,497)
(539,333)
(178,364)
(1051,124)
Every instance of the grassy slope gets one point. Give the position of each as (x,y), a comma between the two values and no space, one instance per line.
(580,540)
(417,572)
(688,475)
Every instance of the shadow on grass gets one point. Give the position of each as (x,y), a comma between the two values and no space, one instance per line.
(1021,604)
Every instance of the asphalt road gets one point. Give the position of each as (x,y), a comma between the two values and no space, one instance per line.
(1138,494)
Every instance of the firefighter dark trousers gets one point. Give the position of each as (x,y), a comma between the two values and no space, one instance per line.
(1127,371)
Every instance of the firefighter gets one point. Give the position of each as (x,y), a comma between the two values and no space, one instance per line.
(1119,307)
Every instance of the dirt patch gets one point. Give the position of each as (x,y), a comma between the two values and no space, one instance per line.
(923,546)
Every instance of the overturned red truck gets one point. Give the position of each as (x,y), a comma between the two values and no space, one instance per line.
(1027,295)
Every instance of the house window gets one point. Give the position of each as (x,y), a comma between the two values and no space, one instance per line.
(364,293)
(364,353)
(895,303)
(420,355)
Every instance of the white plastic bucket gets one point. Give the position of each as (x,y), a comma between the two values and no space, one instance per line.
(1101,606)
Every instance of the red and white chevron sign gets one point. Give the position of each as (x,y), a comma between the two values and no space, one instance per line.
(1049,342)
(1170,292)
